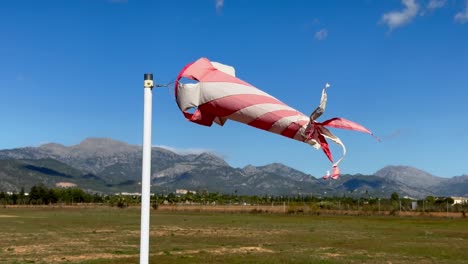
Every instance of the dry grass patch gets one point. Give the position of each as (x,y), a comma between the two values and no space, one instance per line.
(7,216)
(219,251)
(166,230)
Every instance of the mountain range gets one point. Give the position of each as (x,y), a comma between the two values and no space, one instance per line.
(106,166)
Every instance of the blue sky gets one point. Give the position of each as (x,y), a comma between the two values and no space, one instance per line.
(73,69)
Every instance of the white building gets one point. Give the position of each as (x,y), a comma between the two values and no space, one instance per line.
(459,200)
(131,194)
(184,191)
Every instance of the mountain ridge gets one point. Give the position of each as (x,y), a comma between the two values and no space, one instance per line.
(107,165)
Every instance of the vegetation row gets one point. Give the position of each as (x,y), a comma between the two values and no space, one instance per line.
(42,195)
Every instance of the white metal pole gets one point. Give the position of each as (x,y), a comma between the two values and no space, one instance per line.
(146,170)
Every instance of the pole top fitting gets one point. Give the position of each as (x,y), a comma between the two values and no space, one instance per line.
(148,76)
(148,80)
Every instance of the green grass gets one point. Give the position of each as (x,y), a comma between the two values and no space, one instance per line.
(108,235)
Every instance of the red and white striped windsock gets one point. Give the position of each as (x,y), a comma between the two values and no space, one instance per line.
(219,96)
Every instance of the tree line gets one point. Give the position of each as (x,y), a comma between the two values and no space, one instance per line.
(42,195)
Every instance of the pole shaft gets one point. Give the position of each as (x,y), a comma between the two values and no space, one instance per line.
(146,175)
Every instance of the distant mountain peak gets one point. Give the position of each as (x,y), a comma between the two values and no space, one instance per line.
(402,170)
(276,165)
(95,141)
(409,176)
(277,168)
(211,158)
(103,146)
(250,169)
(52,147)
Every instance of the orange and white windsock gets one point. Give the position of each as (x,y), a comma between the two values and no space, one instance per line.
(220,96)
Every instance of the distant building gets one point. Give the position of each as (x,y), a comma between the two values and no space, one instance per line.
(409,198)
(65,184)
(131,194)
(459,200)
(184,191)
(11,193)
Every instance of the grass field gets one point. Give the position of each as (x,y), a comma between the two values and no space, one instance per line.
(111,235)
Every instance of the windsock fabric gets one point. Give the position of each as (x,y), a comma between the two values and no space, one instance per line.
(220,96)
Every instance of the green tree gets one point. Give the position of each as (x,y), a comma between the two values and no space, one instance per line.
(21,196)
(51,197)
(430,199)
(37,194)
(14,198)
(171,198)
(449,200)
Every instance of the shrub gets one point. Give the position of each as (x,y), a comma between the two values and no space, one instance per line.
(122,204)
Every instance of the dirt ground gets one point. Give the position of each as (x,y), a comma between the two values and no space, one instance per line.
(277,209)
